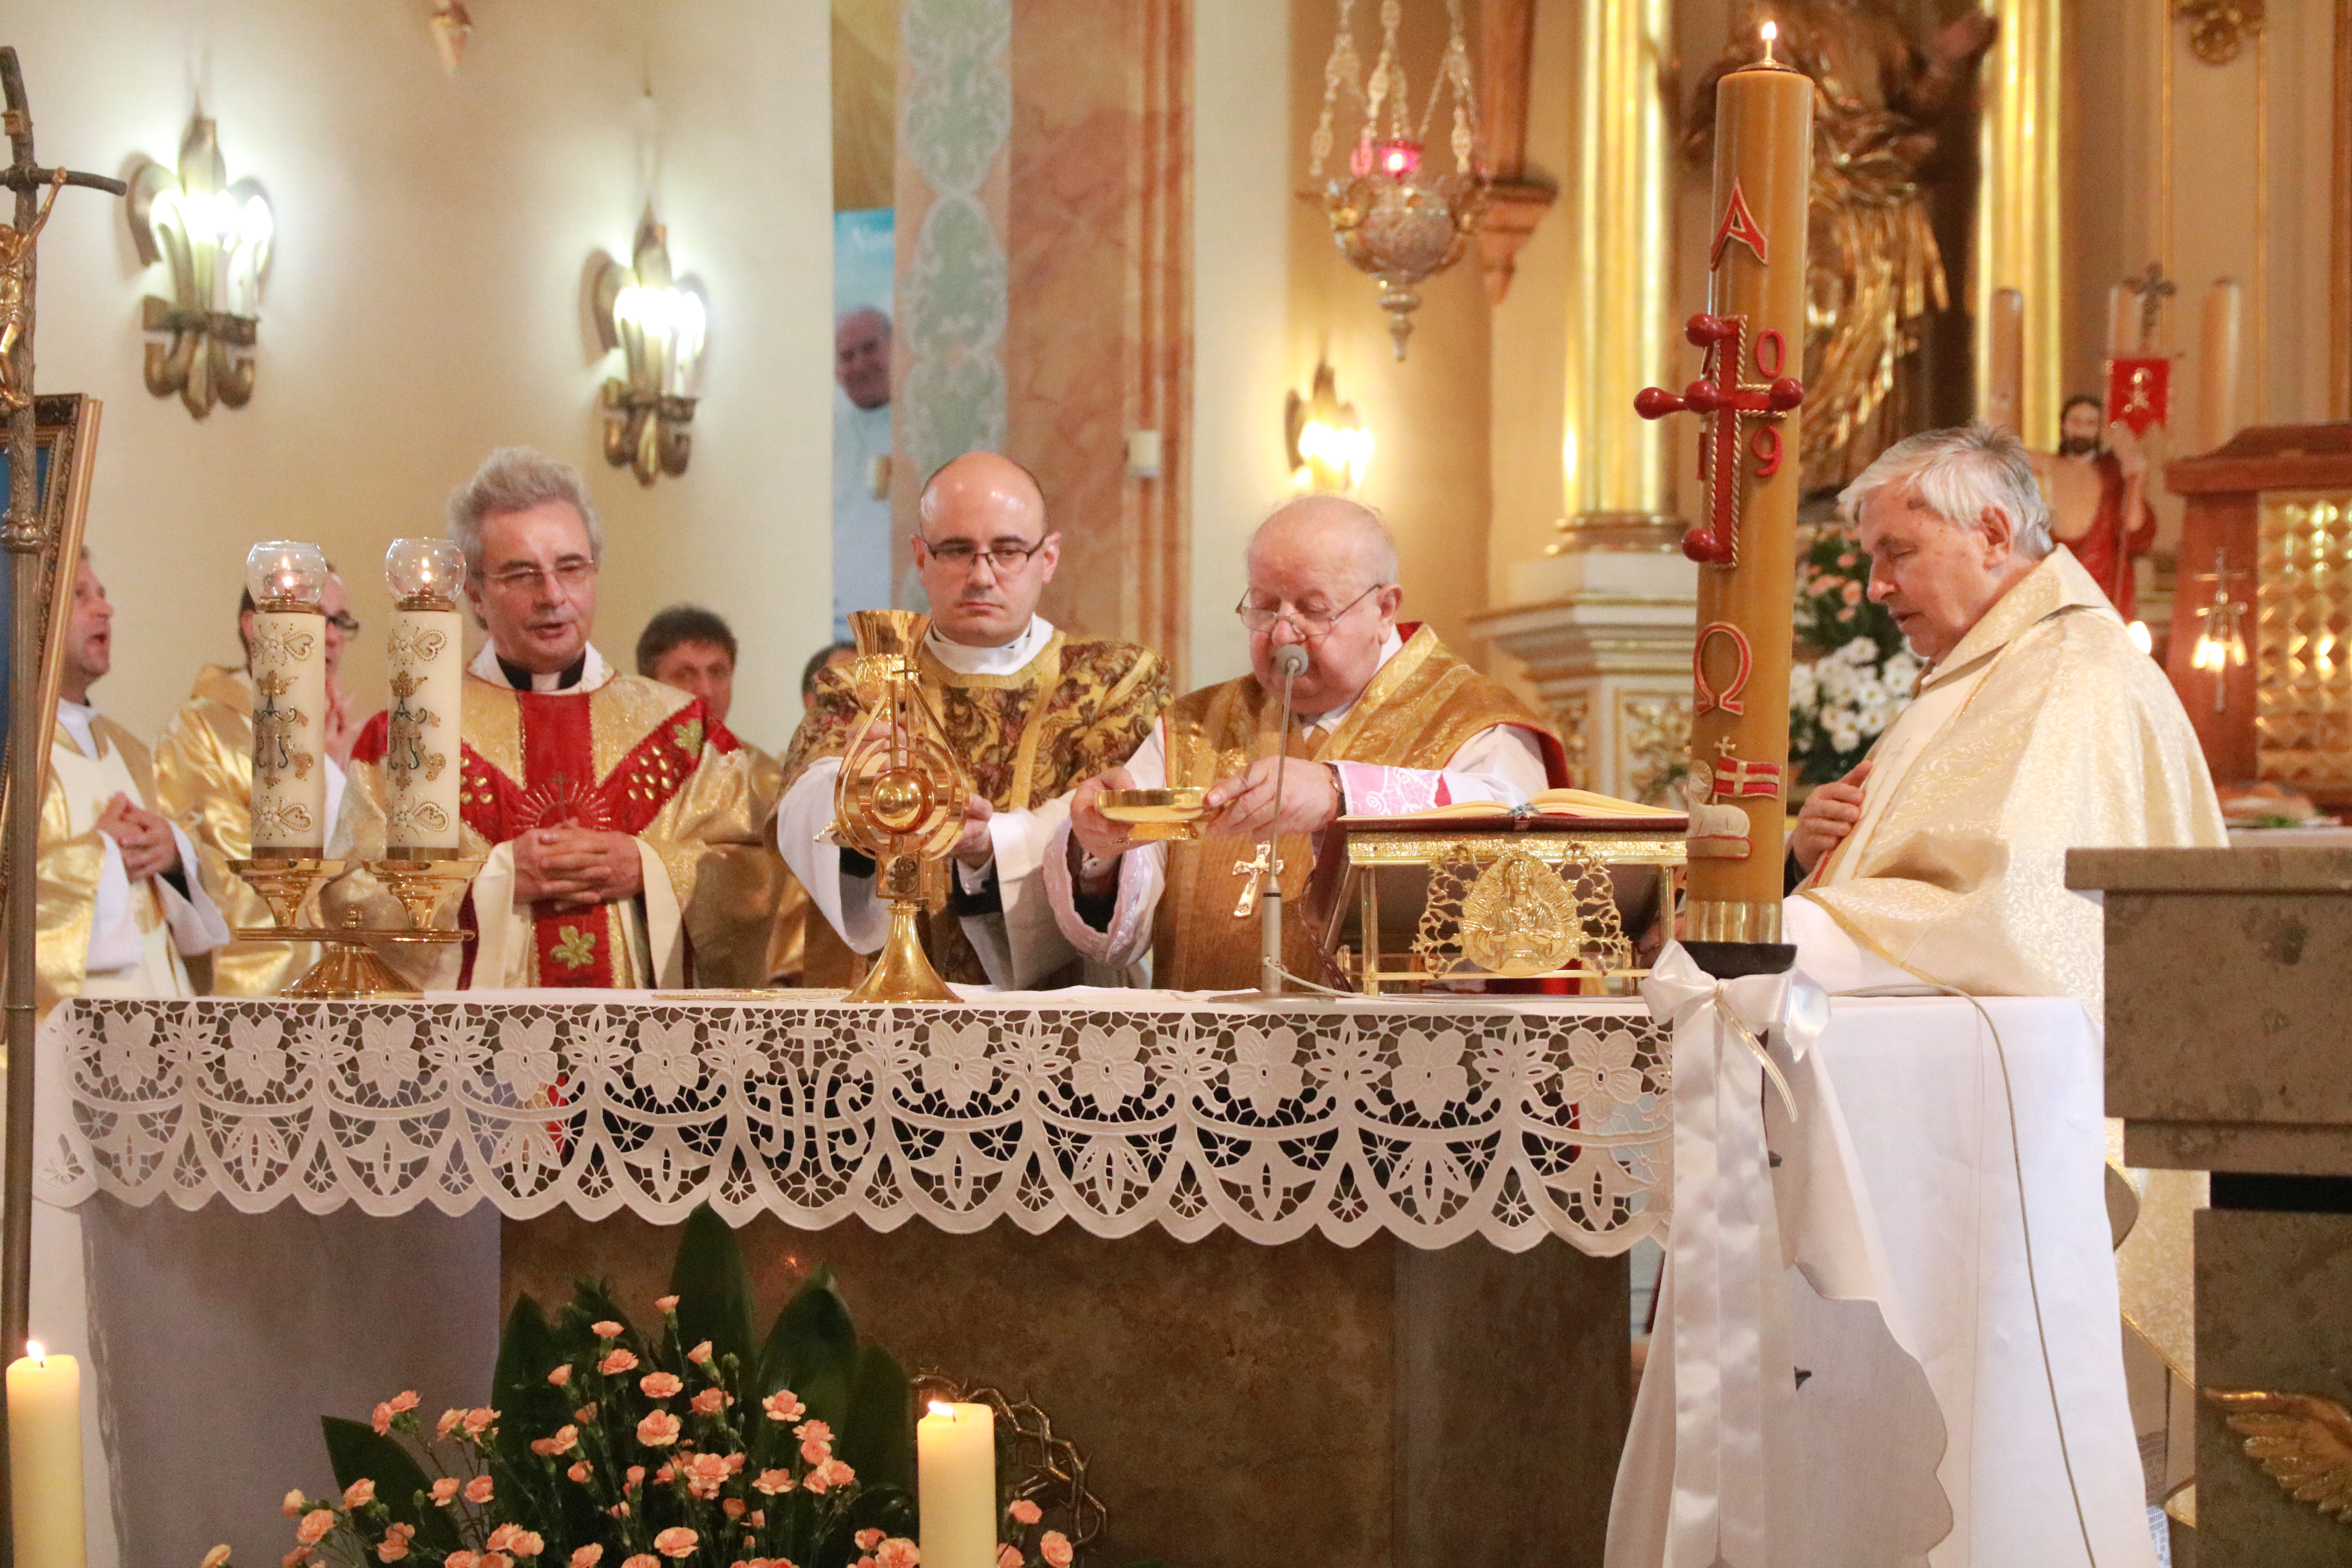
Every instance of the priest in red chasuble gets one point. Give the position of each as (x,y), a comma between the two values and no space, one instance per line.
(1385,720)
(1032,710)
(596,800)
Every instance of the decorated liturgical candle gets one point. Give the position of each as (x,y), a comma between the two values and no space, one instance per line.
(45,1459)
(955,1466)
(1749,401)
(288,656)
(426,654)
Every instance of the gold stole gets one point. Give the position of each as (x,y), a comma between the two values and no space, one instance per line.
(1421,706)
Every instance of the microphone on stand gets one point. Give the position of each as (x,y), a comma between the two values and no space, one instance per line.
(1291,663)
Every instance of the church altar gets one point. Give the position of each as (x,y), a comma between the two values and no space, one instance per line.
(1182,1133)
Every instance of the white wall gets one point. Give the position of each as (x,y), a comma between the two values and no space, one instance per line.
(1242,193)
(424,301)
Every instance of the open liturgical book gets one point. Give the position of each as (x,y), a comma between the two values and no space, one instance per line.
(1564,808)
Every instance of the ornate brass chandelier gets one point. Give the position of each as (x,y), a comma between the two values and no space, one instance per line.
(1393,214)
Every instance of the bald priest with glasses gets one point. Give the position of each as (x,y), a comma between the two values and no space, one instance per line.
(1032,710)
(596,800)
(1384,720)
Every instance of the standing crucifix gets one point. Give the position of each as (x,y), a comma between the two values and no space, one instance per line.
(23,537)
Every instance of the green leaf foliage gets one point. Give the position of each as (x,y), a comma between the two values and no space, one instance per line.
(713,1287)
(876,1433)
(358,1452)
(812,1351)
(528,1405)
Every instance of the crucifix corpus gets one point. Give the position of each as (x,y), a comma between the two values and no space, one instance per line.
(24,538)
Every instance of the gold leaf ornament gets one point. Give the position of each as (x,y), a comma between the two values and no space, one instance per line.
(576,948)
(1519,919)
(2302,1441)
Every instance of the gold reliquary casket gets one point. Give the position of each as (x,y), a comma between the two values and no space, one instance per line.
(1563,889)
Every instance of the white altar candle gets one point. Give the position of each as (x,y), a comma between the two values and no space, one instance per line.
(288,655)
(2005,377)
(955,1467)
(45,1459)
(426,652)
(2219,386)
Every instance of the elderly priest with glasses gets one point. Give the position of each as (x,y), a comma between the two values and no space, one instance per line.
(594,799)
(1033,710)
(1384,723)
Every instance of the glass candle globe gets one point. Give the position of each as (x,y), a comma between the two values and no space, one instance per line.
(424,568)
(285,574)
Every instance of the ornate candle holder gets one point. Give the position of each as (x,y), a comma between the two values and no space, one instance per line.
(900,799)
(350,969)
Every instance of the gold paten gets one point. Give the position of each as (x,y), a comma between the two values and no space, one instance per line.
(900,800)
(1156,814)
(2302,1441)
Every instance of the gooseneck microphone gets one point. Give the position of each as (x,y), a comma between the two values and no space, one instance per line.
(1291,663)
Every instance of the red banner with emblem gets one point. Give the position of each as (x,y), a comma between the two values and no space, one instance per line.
(2139,393)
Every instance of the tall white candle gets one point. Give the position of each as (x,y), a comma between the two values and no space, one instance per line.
(2221,387)
(288,656)
(2005,377)
(427,658)
(45,1459)
(955,1472)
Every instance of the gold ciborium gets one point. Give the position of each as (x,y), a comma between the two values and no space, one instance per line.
(350,969)
(900,800)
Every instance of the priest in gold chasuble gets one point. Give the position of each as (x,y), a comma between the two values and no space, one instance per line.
(204,782)
(597,800)
(1383,722)
(2038,727)
(1032,710)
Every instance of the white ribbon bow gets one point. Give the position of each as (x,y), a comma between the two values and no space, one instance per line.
(1725,1248)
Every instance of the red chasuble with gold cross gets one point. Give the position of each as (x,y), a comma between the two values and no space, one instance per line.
(630,757)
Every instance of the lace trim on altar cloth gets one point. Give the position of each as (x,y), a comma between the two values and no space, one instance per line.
(1432,1122)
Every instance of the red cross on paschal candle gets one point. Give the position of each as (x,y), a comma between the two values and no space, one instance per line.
(1729,403)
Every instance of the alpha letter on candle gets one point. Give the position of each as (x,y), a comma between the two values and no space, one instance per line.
(955,1465)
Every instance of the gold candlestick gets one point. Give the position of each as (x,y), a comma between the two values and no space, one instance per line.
(1753,334)
(349,968)
(900,799)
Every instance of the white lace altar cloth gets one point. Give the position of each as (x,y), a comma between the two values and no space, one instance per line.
(1435,1121)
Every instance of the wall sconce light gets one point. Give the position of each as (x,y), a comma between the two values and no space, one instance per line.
(659,325)
(1328,447)
(218,239)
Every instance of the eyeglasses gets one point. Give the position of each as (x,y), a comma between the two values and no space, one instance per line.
(1310,624)
(345,622)
(961,555)
(570,575)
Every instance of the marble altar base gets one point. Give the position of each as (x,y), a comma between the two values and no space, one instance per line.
(1241,1406)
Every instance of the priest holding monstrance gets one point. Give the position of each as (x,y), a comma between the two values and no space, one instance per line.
(594,799)
(1383,723)
(1031,709)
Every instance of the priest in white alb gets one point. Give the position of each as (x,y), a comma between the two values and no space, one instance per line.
(2038,727)
(1382,723)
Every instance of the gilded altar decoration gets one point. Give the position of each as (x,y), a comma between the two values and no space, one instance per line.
(218,239)
(1517,919)
(2217,29)
(658,323)
(2302,724)
(2302,1441)
(1392,215)
(16,312)
(1517,916)
(1881,106)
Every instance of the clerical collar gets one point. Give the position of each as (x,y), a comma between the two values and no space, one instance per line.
(1334,718)
(76,717)
(586,673)
(1005,660)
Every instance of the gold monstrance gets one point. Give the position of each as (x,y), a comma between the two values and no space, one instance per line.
(900,799)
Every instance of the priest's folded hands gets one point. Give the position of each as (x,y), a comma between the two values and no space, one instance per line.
(574,867)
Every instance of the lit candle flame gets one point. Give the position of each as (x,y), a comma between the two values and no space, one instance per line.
(34,1353)
(941,1408)
(1770,30)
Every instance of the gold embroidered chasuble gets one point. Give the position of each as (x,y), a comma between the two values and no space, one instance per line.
(757,910)
(72,856)
(631,756)
(204,782)
(1079,706)
(1417,711)
(2043,730)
